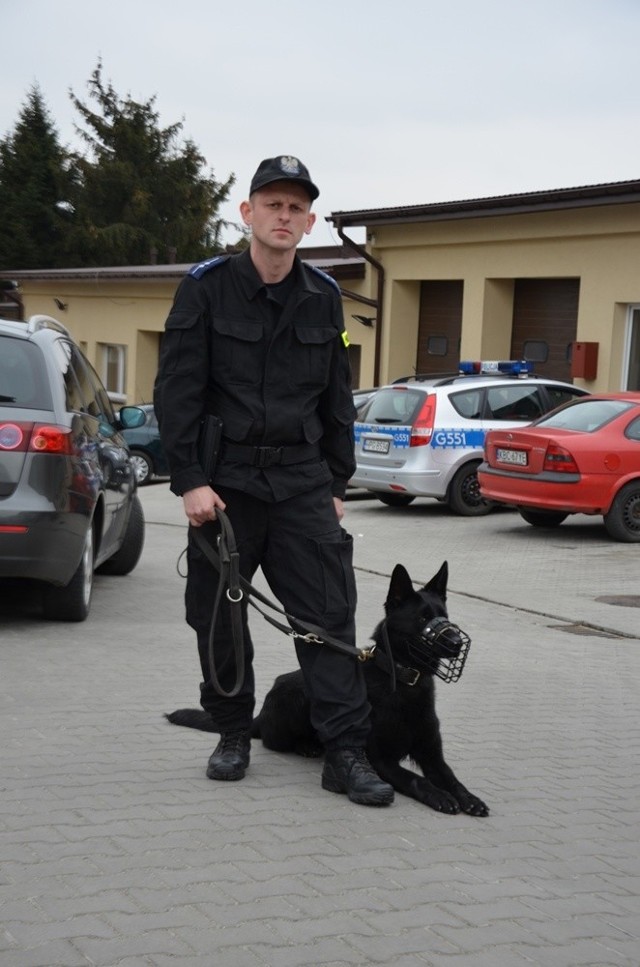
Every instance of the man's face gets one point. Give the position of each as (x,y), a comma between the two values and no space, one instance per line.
(279,215)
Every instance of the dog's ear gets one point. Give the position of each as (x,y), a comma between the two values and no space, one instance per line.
(400,587)
(438,582)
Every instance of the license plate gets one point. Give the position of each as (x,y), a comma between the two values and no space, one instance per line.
(376,446)
(518,457)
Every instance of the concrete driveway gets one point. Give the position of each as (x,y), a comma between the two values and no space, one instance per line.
(116,850)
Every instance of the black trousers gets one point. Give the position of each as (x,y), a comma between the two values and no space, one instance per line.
(307,560)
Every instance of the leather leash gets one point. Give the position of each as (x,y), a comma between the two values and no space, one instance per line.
(231,583)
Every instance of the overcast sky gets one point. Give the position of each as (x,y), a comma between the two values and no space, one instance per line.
(387,103)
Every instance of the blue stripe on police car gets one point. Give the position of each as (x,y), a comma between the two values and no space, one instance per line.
(401,435)
(444,439)
(456,439)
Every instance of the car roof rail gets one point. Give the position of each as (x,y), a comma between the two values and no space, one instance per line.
(420,377)
(41,321)
(508,377)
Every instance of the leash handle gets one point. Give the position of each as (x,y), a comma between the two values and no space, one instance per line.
(227,563)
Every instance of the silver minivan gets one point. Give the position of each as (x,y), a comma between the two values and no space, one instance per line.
(68,501)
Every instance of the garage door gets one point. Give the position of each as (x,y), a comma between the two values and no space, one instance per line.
(545,319)
(440,326)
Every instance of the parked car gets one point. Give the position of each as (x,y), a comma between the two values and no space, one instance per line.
(146,449)
(582,459)
(424,437)
(144,443)
(68,501)
(361,397)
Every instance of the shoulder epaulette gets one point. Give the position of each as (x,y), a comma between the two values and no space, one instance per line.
(197,271)
(323,275)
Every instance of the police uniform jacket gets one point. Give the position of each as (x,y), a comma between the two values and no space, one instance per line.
(276,375)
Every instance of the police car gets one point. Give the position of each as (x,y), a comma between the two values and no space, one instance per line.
(424,437)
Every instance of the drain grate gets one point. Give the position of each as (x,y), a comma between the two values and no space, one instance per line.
(578,629)
(621,600)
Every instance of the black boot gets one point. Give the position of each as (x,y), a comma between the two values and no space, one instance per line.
(349,771)
(230,759)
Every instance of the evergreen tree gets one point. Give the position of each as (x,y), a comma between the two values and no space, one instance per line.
(34,191)
(139,192)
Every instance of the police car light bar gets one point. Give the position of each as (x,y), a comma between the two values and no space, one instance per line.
(509,367)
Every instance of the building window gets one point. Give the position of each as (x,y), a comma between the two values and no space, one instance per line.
(437,345)
(536,351)
(113,371)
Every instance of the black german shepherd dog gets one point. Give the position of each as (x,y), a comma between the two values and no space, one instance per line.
(414,642)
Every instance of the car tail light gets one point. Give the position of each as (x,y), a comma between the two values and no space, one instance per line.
(422,428)
(559,460)
(50,439)
(37,438)
(14,436)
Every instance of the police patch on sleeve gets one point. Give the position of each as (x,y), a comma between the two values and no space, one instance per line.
(345,338)
(197,271)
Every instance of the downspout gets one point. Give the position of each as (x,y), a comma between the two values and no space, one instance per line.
(377,303)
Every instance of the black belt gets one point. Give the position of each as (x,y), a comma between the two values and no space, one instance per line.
(269,456)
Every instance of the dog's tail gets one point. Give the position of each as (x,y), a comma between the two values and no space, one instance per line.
(192,718)
(195,718)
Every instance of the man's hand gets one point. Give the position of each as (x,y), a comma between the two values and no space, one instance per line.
(339,506)
(200,505)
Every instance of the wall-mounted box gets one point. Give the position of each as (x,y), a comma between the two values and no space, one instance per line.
(584,360)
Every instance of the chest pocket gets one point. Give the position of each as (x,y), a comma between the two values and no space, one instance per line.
(237,350)
(315,350)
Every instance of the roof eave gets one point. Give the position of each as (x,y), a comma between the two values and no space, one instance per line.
(614,193)
(330,259)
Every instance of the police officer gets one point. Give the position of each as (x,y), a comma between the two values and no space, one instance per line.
(258,340)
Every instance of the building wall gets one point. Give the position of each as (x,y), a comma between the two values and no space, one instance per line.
(598,245)
(360,335)
(118,312)
(131,312)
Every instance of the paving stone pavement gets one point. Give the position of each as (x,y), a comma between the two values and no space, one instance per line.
(116,850)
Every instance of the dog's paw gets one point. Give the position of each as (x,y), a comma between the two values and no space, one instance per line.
(473,806)
(443,803)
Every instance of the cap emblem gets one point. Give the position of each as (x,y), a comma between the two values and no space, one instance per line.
(290,165)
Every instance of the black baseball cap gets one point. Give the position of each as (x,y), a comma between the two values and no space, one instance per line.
(283,168)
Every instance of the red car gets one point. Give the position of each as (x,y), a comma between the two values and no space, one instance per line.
(583,458)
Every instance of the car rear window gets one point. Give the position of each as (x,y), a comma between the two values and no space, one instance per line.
(393,406)
(587,415)
(633,430)
(23,378)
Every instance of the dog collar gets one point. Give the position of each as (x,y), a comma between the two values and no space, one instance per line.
(403,673)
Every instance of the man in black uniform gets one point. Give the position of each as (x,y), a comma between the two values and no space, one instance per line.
(258,340)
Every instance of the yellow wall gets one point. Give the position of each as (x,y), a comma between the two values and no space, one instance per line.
(599,245)
(360,335)
(121,312)
(132,313)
